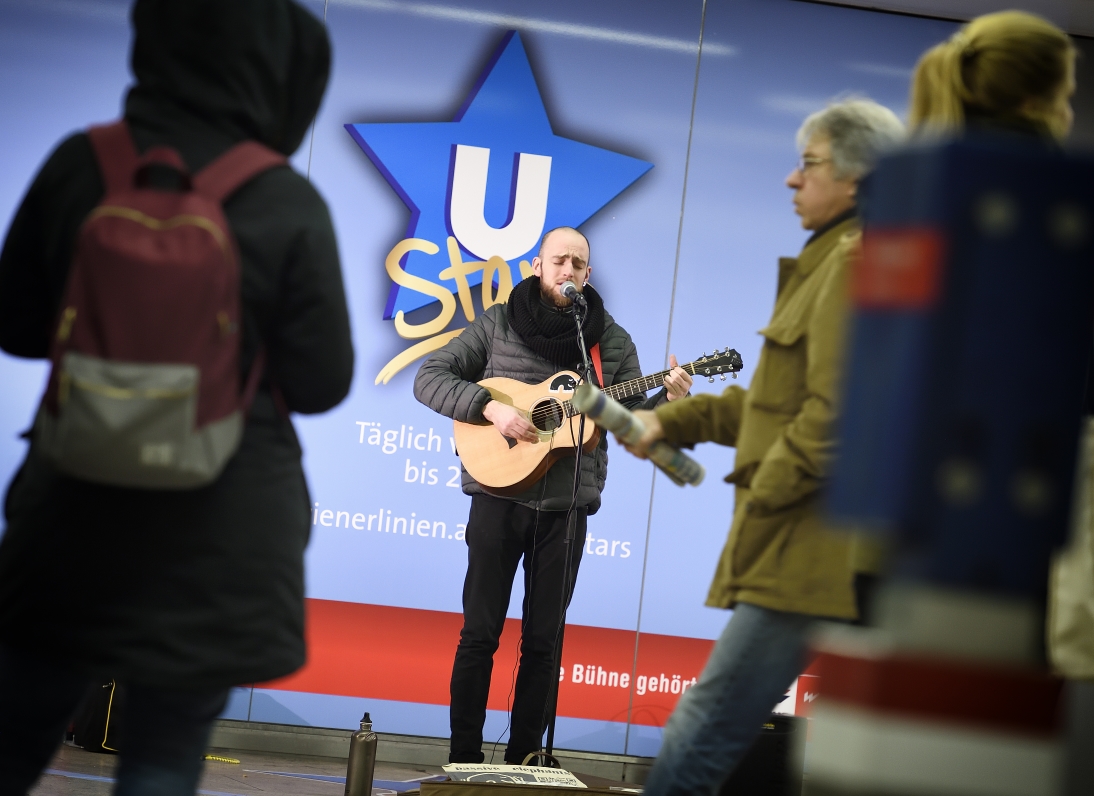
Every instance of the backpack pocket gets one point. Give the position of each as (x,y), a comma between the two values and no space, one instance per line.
(132,424)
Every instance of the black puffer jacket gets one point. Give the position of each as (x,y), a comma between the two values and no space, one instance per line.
(489,347)
(199,588)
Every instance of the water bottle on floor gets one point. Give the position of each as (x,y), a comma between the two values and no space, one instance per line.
(362,760)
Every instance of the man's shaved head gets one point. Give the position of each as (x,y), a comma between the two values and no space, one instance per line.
(563,257)
(550,232)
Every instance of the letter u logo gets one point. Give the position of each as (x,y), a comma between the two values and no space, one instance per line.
(528,204)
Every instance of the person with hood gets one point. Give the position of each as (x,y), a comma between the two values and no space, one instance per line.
(179,595)
(529,338)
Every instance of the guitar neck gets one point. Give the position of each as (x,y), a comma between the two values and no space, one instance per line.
(626,389)
(644,383)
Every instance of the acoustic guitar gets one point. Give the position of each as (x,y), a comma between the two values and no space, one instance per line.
(506,466)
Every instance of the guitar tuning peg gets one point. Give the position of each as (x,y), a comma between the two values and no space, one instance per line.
(716,352)
(734,374)
(710,379)
(723,377)
(704,356)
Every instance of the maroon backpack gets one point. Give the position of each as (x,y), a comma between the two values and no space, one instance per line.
(145,387)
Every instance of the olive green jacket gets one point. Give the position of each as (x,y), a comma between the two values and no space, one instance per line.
(779,554)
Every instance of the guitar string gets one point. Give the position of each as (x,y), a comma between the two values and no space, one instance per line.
(549,411)
(615,391)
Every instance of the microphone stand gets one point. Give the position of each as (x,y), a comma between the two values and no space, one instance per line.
(580,307)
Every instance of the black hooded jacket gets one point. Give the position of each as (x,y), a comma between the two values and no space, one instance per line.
(200,588)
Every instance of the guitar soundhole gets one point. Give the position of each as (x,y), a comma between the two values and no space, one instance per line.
(547,415)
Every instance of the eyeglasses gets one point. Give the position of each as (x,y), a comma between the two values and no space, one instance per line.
(804,164)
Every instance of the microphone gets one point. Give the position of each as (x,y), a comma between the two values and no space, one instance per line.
(569,290)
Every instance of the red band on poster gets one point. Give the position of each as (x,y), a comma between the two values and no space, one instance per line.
(405,654)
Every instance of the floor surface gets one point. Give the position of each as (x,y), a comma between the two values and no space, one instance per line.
(75,772)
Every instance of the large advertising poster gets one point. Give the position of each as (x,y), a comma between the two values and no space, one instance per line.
(452,136)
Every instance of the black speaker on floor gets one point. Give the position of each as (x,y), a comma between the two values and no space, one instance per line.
(773,764)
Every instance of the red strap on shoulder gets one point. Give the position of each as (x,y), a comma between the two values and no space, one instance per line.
(236,167)
(594,354)
(116,153)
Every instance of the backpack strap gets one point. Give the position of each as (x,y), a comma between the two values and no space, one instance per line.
(219,180)
(250,387)
(118,160)
(594,355)
(116,153)
(236,167)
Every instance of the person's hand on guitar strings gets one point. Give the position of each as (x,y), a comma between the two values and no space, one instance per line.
(510,422)
(653,433)
(677,380)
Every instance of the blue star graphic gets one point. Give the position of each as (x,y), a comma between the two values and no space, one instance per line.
(501,137)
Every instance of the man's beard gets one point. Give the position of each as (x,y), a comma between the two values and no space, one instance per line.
(554,299)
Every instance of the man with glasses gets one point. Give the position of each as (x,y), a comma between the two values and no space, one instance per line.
(781,569)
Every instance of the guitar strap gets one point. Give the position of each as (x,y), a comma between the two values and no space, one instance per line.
(594,354)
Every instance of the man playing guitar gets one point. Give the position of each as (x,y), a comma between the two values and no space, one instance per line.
(528,339)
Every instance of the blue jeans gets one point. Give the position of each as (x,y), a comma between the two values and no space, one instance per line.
(753,663)
(164,731)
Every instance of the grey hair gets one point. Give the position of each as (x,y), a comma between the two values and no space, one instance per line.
(858,130)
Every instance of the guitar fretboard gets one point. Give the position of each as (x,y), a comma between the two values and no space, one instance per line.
(640,385)
(644,383)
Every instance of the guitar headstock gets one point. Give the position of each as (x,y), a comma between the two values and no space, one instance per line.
(717,364)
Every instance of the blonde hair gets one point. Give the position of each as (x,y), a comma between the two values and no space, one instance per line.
(993,66)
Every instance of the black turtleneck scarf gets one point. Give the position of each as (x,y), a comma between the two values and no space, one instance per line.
(549,330)
(850,212)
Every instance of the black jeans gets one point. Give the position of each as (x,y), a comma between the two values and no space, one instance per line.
(499,532)
(164,731)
